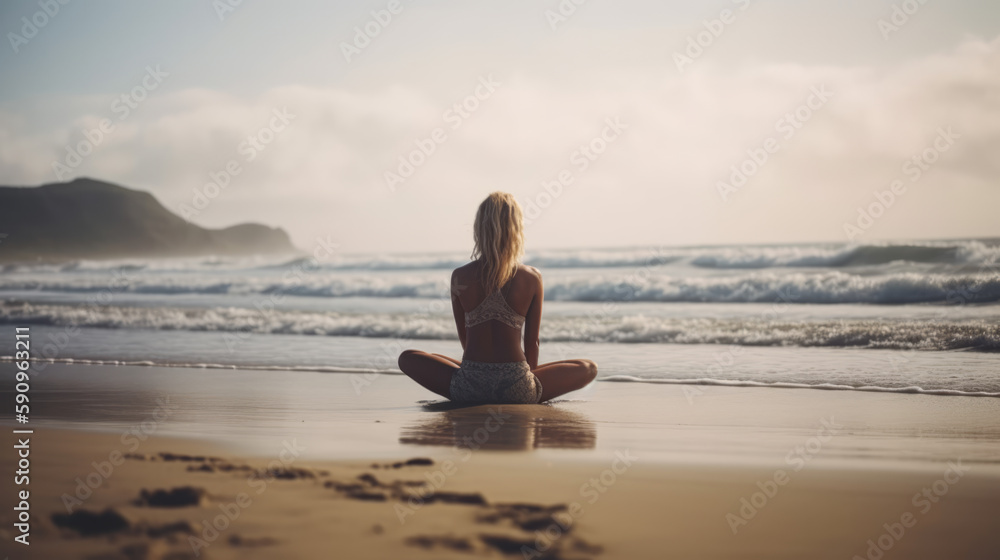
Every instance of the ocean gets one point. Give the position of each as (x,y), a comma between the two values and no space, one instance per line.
(914,317)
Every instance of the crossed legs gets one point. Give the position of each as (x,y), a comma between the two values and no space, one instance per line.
(434,371)
(564,376)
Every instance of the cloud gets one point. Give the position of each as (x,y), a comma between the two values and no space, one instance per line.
(657,184)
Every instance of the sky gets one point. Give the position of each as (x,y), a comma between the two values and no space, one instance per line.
(382,124)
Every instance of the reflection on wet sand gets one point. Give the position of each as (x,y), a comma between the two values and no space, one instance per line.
(501,427)
(98,406)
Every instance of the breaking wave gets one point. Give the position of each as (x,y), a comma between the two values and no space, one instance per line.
(823,287)
(983,336)
(969,253)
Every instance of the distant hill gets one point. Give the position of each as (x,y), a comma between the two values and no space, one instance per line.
(88,219)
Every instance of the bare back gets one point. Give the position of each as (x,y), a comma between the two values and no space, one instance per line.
(493,340)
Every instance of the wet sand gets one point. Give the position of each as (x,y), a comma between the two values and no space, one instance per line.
(234,468)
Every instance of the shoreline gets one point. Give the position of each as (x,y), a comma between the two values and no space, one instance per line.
(615,378)
(372,416)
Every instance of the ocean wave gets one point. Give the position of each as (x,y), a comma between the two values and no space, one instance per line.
(828,287)
(937,335)
(968,253)
(819,288)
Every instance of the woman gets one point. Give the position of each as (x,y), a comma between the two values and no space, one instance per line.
(492,298)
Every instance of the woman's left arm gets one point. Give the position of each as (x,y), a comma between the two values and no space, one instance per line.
(456,308)
(533,323)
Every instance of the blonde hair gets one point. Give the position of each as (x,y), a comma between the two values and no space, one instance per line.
(499,239)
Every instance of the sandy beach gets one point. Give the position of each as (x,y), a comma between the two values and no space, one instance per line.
(262,263)
(168,473)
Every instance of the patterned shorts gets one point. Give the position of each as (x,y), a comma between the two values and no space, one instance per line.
(495,383)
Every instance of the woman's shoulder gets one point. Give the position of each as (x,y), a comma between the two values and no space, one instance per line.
(464,270)
(529,272)
(532,270)
(525,274)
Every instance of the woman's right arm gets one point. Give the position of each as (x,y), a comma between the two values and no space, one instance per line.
(456,308)
(533,323)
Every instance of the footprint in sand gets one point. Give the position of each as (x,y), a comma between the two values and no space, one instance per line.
(184,496)
(88,523)
(526,518)
(414,462)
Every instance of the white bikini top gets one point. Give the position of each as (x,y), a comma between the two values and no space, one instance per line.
(494,306)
